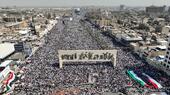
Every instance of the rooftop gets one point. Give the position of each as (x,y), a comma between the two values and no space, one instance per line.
(161,47)
(131,37)
(6,49)
(5,63)
(13,24)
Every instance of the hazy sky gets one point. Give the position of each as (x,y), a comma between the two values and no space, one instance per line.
(82,2)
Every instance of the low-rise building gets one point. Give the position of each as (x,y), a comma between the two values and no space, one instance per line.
(6,50)
(12,19)
(129,38)
(17,25)
(155,9)
(103,22)
(166,30)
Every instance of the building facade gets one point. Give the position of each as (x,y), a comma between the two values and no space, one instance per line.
(167,57)
(155,9)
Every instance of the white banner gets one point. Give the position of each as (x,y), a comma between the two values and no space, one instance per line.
(87,55)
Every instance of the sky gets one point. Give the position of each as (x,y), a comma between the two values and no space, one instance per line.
(83,2)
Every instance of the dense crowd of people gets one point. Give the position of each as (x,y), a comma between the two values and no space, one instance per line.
(43,75)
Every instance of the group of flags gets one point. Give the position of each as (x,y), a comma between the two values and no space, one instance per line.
(144,79)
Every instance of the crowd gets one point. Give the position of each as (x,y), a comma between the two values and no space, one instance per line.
(43,75)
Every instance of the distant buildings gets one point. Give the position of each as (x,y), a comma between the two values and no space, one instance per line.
(129,38)
(169,10)
(77,11)
(103,22)
(122,7)
(155,9)
(12,19)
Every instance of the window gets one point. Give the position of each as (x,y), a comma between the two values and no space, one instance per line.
(168,48)
(164,64)
(167,66)
(166,60)
(166,56)
(167,52)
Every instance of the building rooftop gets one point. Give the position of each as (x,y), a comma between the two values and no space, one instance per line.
(131,37)
(5,63)
(23,32)
(159,58)
(6,49)
(161,47)
(13,24)
(167,27)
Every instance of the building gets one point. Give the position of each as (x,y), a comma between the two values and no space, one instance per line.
(103,23)
(17,25)
(158,51)
(122,7)
(12,19)
(126,39)
(77,11)
(167,57)
(162,42)
(166,30)
(155,9)
(169,10)
(151,52)
(166,64)
(6,50)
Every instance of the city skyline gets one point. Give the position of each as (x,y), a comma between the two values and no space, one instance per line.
(59,3)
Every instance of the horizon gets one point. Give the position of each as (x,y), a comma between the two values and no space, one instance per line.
(77,6)
(72,3)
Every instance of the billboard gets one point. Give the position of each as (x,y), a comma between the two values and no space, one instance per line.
(86,55)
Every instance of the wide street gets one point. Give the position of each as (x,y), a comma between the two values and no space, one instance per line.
(43,75)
